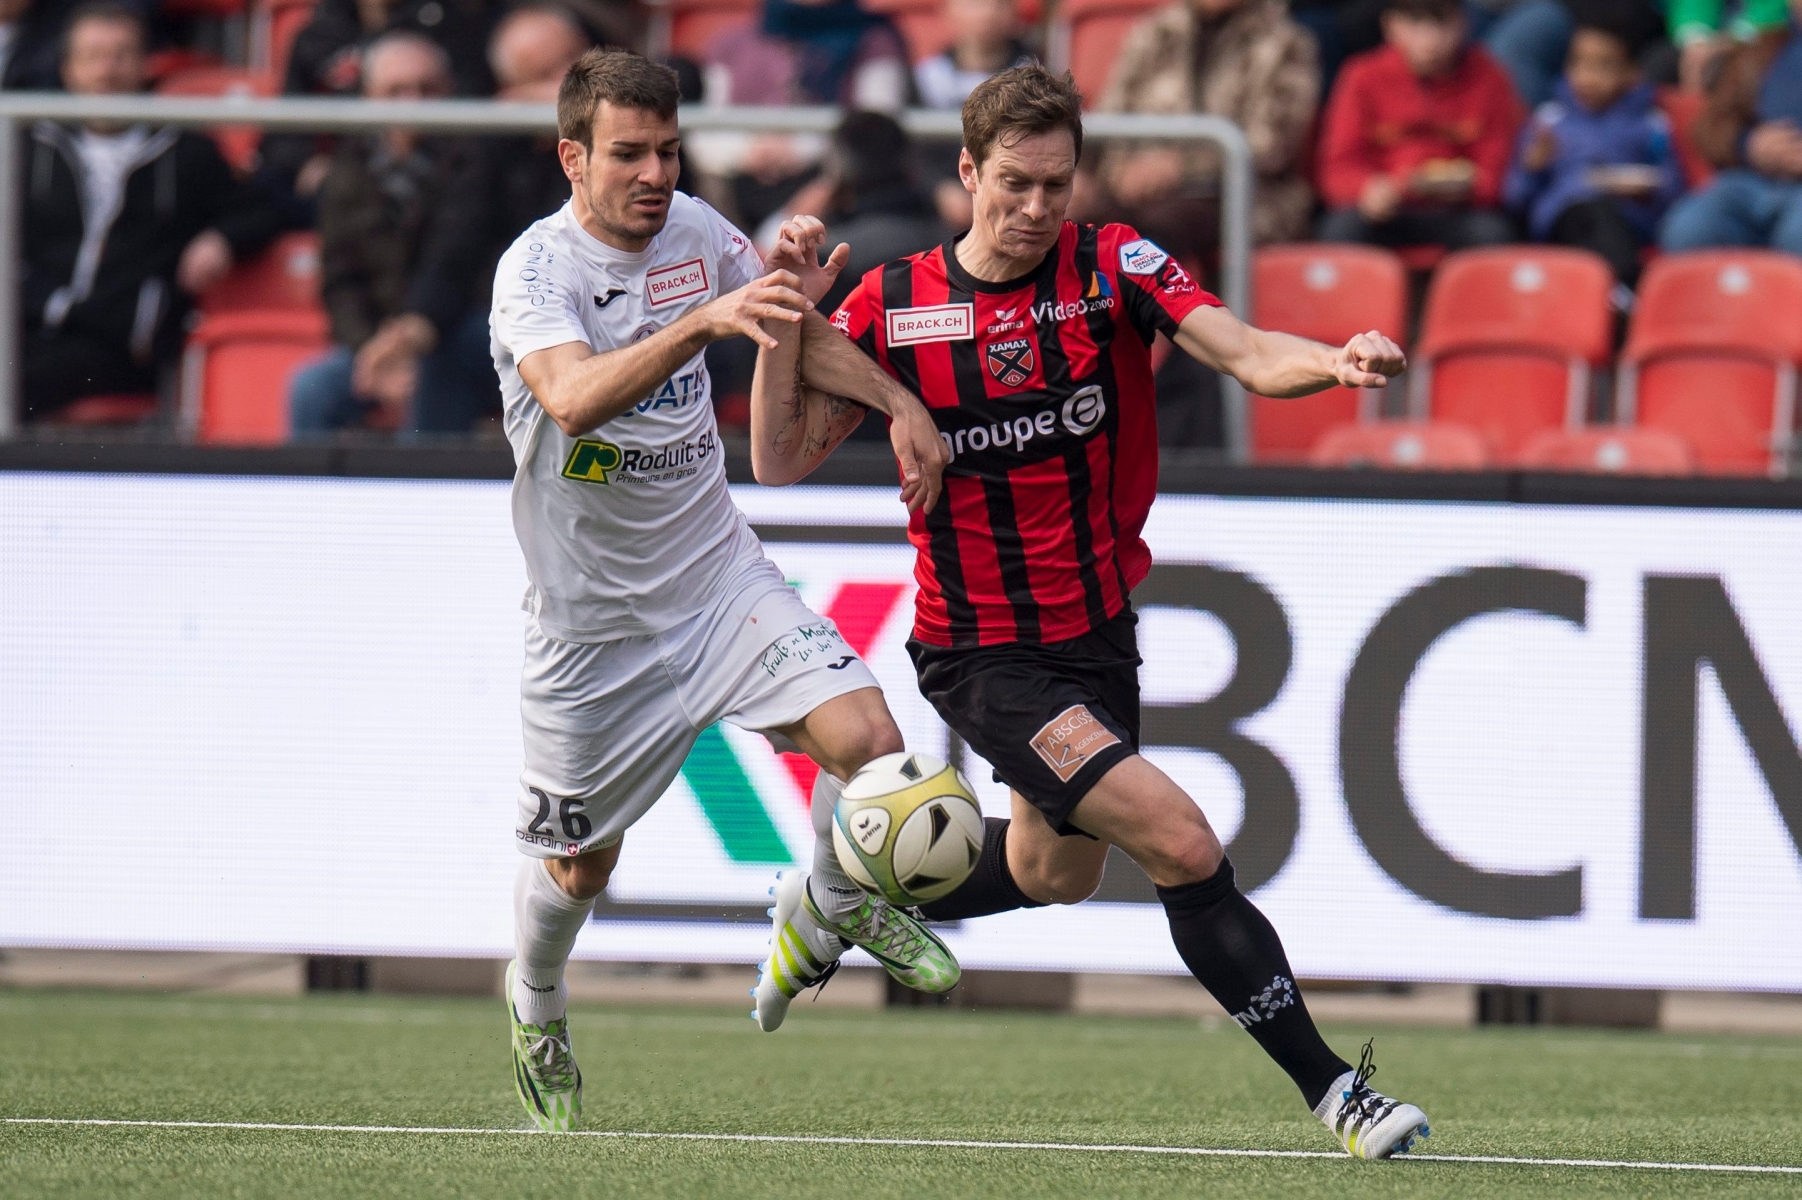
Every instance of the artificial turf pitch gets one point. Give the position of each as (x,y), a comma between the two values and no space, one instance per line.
(933,1074)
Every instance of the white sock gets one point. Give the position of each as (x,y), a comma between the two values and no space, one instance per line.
(546,920)
(835,893)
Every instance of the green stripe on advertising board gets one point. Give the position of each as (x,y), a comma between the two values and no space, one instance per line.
(731,804)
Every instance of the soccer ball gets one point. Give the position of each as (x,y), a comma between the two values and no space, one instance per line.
(908,829)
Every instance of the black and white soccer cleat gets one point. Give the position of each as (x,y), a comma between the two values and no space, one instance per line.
(1368,1123)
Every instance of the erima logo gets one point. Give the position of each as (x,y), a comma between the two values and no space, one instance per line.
(592,461)
(611,295)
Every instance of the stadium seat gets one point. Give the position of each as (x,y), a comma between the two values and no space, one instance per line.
(201,8)
(237,143)
(689,27)
(1615,451)
(1410,445)
(921,22)
(236,372)
(1509,339)
(91,411)
(274,24)
(1327,292)
(1086,37)
(285,276)
(1712,353)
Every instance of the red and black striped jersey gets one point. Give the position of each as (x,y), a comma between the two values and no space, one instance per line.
(1041,388)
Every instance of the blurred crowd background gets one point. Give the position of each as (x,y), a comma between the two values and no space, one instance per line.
(1421,126)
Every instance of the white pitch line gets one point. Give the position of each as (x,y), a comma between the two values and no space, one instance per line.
(929,1143)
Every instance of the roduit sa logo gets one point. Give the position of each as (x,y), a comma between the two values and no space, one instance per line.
(592,461)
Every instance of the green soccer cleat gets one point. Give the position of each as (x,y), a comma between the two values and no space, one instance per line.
(805,948)
(544,1069)
(1366,1122)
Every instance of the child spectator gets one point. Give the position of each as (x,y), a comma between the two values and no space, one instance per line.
(1417,136)
(1595,167)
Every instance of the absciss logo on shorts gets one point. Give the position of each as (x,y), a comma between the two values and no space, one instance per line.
(1070,739)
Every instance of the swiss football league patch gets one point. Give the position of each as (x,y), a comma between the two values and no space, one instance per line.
(1142,257)
(1011,362)
(1069,740)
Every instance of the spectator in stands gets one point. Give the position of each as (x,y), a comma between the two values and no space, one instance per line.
(327,54)
(497,187)
(1240,59)
(875,205)
(31,36)
(800,52)
(1702,32)
(1529,38)
(1595,167)
(1751,128)
(374,206)
(985,38)
(121,225)
(1417,136)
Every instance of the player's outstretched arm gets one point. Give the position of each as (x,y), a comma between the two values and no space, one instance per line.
(793,427)
(1283,365)
(582,390)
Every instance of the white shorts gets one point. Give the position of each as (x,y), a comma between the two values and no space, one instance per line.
(608,725)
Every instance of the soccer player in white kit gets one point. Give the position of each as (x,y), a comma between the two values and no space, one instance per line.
(652,611)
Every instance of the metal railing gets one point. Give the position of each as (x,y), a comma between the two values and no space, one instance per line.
(349,115)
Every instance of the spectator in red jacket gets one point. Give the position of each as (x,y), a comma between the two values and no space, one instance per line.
(1417,136)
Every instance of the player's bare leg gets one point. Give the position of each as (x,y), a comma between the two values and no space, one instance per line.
(1229,946)
(552,900)
(818,914)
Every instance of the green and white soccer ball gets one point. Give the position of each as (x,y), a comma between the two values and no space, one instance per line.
(908,828)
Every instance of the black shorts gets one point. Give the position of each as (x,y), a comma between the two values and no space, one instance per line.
(1052,718)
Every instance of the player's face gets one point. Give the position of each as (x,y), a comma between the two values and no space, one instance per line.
(623,183)
(1021,192)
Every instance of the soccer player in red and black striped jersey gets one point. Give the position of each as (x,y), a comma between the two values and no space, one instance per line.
(1029,341)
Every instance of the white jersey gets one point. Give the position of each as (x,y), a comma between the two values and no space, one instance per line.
(628,529)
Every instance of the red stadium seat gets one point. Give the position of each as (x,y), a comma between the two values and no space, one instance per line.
(237,143)
(285,276)
(690,27)
(1614,451)
(924,28)
(1712,356)
(1086,38)
(274,24)
(92,411)
(1409,445)
(237,369)
(1509,339)
(1327,292)
(202,8)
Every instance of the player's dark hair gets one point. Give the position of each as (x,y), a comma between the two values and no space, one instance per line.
(1018,103)
(109,11)
(619,77)
(1426,10)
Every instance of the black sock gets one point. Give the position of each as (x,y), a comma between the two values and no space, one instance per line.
(990,887)
(1233,950)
